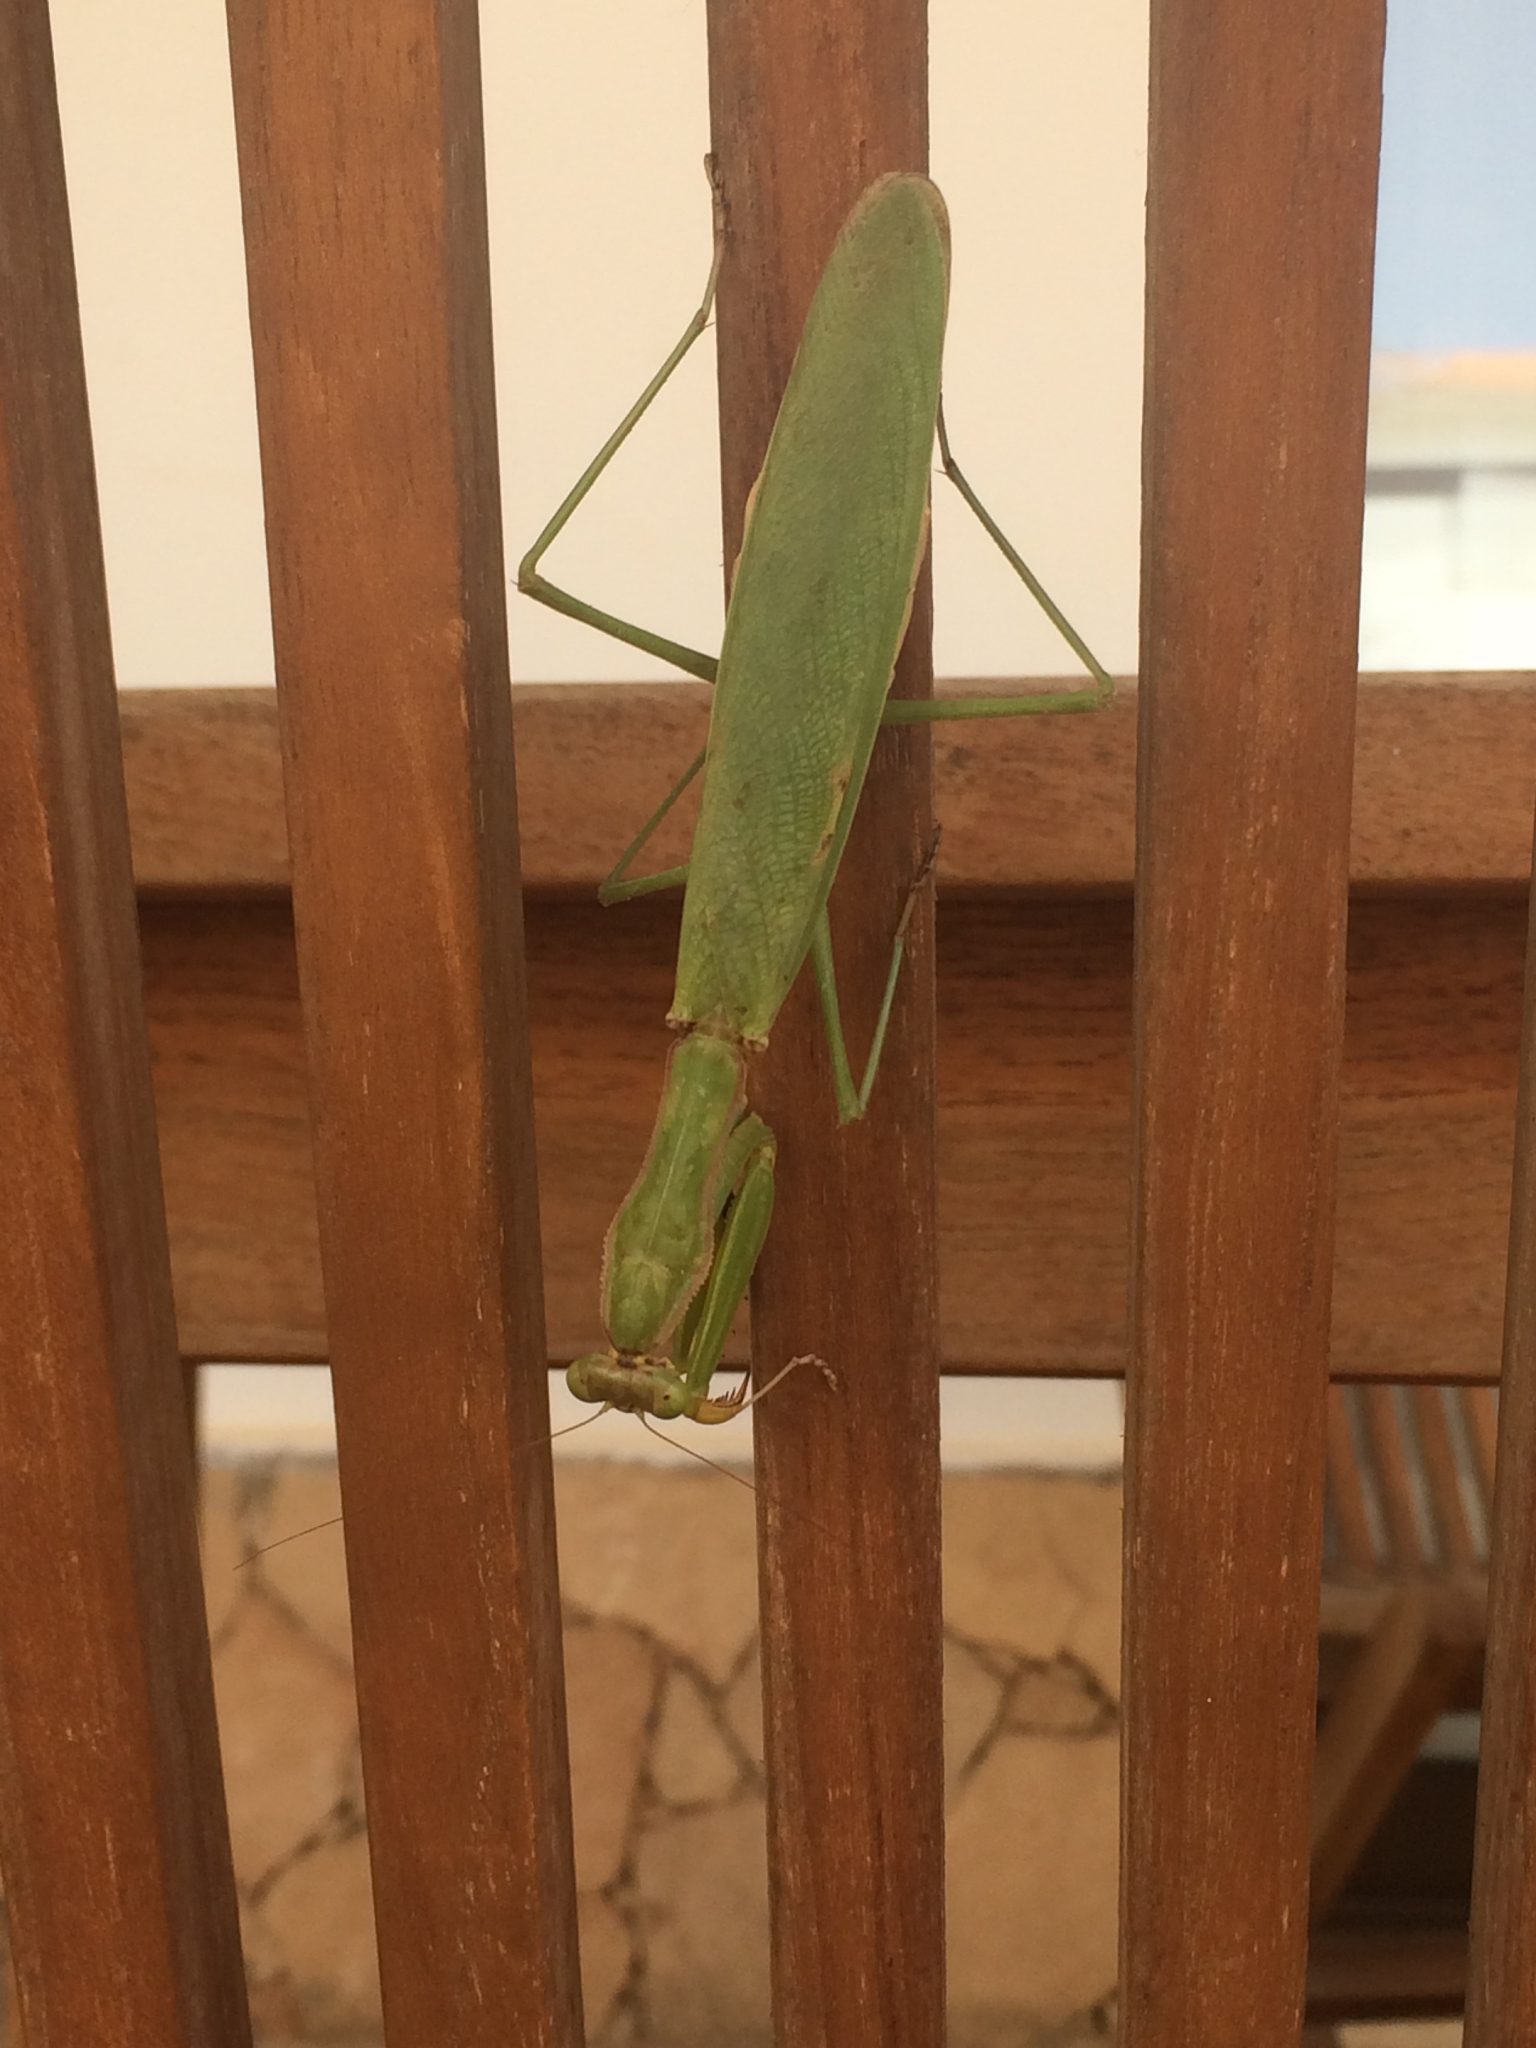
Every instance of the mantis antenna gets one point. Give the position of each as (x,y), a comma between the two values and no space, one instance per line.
(331,1521)
(688,1450)
(313,1530)
(740,1401)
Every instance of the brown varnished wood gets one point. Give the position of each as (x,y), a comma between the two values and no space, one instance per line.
(810,100)
(114,1848)
(204,771)
(222,997)
(1443,771)
(1034,1114)
(1432,1027)
(1501,1995)
(363,188)
(1262,165)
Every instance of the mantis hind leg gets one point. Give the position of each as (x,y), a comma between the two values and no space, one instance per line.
(853,1096)
(919,711)
(617,886)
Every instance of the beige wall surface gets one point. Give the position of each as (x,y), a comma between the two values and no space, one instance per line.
(596,123)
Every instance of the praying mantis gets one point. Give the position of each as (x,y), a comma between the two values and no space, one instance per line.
(836,528)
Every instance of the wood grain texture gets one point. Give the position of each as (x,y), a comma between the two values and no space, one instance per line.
(1443,772)
(1501,1991)
(114,1847)
(363,187)
(1034,1125)
(204,770)
(809,101)
(1261,200)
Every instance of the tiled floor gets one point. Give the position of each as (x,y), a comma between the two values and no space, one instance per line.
(1432,2034)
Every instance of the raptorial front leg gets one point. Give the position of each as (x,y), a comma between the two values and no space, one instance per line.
(739,1239)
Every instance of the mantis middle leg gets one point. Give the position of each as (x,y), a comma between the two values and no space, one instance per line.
(529,580)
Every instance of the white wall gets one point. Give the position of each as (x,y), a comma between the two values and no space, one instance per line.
(1059,1425)
(596,124)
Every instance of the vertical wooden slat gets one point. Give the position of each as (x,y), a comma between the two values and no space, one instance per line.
(1501,1976)
(113,1842)
(1264,124)
(362,175)
(810,100)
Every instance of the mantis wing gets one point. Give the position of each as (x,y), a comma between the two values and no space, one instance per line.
(818,610)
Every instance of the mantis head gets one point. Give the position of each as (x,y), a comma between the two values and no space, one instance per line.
(643,1386)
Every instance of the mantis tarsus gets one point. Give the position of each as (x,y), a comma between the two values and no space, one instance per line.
(835,533)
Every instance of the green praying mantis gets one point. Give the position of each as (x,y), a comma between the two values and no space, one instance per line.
(835,534)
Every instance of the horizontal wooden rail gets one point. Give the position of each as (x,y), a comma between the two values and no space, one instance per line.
(1034,1091)
(1444,765)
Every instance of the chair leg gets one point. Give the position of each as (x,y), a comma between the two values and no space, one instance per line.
(1408,1670)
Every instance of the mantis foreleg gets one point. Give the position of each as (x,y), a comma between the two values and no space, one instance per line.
(742,1230)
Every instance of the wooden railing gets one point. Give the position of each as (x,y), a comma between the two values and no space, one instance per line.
(1034,991)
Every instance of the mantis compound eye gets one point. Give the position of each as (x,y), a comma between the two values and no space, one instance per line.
(671,1402)
(586,1377)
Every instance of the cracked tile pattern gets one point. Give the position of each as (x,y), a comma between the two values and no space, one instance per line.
(659,1574)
